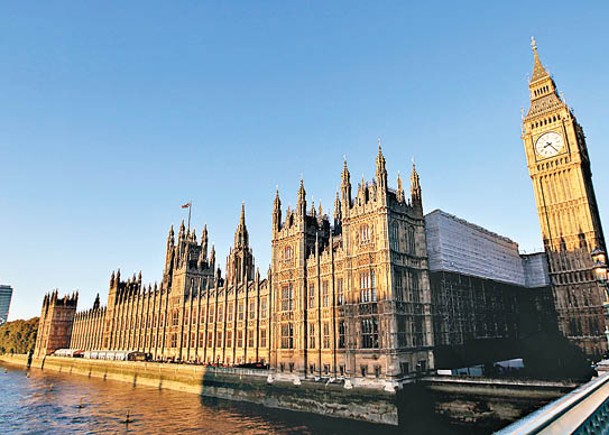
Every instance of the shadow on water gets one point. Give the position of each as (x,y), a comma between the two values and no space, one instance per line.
(78,404)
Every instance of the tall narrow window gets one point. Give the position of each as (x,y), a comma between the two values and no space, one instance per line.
(311,335)
(370,333)
(262,337)
(364,233)
(252,313)
(230,312)
(340,295)
(263,308)
(326,335)
(341,334)
(312,296)
(287,298)
(325,292)
(364,287)
(240,309)
(395,236)
(287,336)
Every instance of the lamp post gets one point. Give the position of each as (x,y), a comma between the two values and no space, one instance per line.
(601,274)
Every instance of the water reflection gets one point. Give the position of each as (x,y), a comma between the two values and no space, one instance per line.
(54,403)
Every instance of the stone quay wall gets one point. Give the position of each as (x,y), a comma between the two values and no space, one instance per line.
(260,387)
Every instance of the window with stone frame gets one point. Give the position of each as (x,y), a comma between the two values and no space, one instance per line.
(229,338)
(411,240)
(367,286)
(174,340)
(262,337)
(287,297)
(287,336)
(311,295)
(370,333)
(210,339)
(311,335)
(211,314)
(341,334)
(220,313)
(240,338)
(230,312)
(263,307)
(175,318)
(288,253)
(202,315)
(240,310)
(340,292)
(219,339)
(250,338)
(201,339)
(364,234)
(326,335)
(252,314)
(325,293)
(395,236)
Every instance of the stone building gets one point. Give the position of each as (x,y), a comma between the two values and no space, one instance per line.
(352,298)
(559,166)
(55,324)
(194,314)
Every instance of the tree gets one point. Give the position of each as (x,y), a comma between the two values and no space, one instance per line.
(18,336)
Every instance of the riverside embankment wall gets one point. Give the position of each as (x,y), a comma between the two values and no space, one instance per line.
(490,403)
(254,386)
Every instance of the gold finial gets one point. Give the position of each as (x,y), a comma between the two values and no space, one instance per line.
(378,141)
(533,44)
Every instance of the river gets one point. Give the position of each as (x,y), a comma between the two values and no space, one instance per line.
(54,403)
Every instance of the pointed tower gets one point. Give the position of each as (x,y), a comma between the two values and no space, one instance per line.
(399,193)
(381,170)
(415,188)
(337,214)
(204,242)
(345,188)
(277,212)
(241,235)
(559,167)
(301,205)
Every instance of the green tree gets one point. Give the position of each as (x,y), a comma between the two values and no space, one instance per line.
(18,336)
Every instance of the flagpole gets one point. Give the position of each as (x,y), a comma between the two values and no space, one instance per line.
(189,211)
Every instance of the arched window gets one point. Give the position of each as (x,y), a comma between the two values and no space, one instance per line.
(364,233)
(395,234)
(287,253)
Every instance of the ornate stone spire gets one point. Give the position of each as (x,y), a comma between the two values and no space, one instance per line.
(415,186)
(204,242)
(277,211)
(539,71)
(171,237)
(381,170)
(345,189)
(400,190)
(301,206)
(337,210)
(241,235)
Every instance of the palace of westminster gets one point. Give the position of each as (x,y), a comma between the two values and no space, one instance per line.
(378,289)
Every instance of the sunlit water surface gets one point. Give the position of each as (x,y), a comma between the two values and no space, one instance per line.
(54,403)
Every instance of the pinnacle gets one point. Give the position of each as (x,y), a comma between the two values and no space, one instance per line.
(539,71)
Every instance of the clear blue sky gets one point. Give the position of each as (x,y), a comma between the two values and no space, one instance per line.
(113,114)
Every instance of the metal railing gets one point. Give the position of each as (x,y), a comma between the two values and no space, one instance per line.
(583,411)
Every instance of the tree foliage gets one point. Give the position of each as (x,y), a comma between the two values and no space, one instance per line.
(18,336)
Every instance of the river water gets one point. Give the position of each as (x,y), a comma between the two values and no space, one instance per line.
(55,403)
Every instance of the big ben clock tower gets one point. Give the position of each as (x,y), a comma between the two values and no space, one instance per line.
(559,167)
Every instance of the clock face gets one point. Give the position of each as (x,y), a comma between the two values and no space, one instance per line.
(549,144)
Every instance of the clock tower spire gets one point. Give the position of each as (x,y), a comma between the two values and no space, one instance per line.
(559,167)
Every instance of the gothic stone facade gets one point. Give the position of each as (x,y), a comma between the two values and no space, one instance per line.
(559,167)
(348,299)
(353,298)
(55,324)
(193,315)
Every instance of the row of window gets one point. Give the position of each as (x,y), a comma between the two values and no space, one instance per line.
(219,339)
(369,334)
